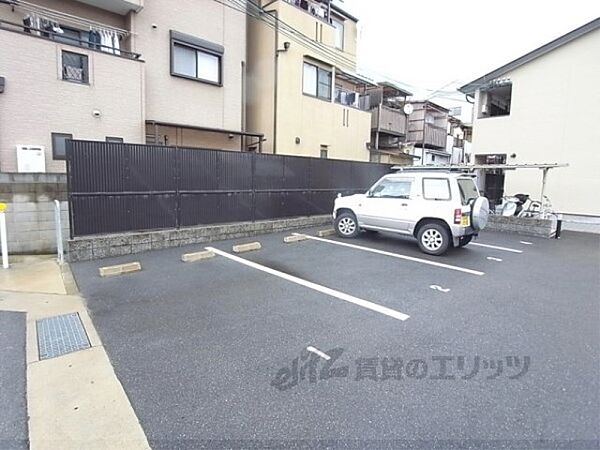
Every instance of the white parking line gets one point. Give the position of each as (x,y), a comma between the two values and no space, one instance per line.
(495,247)
(325,356)
(397,255)
(435,287)
(526,243)
(317,287)
(492,258)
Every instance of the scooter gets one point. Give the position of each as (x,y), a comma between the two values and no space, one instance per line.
(513,205)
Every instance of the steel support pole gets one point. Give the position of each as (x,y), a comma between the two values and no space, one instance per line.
(59,241)
(543,207)
(3,240)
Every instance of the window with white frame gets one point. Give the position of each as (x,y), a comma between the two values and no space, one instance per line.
(339,32)
(195,58)
(317,81)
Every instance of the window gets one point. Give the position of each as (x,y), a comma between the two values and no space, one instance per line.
(390,188)
(71,36)
(339,32)
(195,58)
(75,67)
(456,111)
(495,101)
(316,81)
(468,190)
(324,151)
(115,140)
(436,189)
(59,145)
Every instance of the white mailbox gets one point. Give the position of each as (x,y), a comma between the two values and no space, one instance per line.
(31,158)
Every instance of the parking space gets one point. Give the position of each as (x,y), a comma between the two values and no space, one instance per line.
(215,352)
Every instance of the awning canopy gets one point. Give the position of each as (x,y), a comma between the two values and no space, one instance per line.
(353,77)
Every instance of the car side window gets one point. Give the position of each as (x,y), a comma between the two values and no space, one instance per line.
(436,189)
(392,189)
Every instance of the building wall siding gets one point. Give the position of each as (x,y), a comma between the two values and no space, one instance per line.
(554,119)
(36,101)
(315,122)
(179,100)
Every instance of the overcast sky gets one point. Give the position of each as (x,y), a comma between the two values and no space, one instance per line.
(434,42)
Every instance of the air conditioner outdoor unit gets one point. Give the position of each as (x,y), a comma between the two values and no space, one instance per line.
(31,158)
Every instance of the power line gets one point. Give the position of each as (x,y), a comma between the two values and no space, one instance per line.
(278,25)
(255,11)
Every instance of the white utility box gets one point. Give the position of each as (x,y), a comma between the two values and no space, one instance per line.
(31,158)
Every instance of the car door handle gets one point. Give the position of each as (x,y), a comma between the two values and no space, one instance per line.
(403,204)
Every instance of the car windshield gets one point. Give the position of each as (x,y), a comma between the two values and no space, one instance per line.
(468,190)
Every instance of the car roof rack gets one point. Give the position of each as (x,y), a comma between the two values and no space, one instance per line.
(472,167)
(431,168)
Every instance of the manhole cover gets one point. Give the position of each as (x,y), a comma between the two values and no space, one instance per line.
(60,334)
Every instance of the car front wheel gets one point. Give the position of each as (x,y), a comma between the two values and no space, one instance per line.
(433,239)
(346,225)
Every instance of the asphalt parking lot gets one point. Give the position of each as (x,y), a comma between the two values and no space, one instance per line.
(315,343)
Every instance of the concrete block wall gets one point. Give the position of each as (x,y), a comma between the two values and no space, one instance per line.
(104,246)
(522,225)
(30,219)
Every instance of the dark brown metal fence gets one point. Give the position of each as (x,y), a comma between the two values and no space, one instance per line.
(124,187)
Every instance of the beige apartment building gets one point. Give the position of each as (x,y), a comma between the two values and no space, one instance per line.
(544,108)
(121,70)
(303,92)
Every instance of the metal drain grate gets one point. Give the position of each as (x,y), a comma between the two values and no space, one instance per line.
(60,334)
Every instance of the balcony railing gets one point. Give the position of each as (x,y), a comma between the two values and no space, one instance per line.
(388,119)
(435,136)
(315,8)
(89,43)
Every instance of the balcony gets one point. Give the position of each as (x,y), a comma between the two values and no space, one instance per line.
(388,120)
(318,9)
(120,7)
(104,40)
(434,136)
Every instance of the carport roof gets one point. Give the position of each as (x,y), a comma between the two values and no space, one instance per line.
(471,167)
(474,85)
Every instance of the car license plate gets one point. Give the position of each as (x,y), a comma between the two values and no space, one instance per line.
(465,221)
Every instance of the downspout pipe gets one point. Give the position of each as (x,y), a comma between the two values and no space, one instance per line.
(274,13)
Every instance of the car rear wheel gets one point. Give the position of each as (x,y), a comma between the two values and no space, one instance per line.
(433,239)
(346,225)
(464,240)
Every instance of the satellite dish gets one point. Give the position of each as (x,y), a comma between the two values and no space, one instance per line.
(408,109)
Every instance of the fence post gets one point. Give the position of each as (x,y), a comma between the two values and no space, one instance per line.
(59,240)
(177,187)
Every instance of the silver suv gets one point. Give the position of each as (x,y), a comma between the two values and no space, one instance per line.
(439,208)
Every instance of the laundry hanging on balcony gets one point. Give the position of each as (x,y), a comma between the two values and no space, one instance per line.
(109,41)
(52,24)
